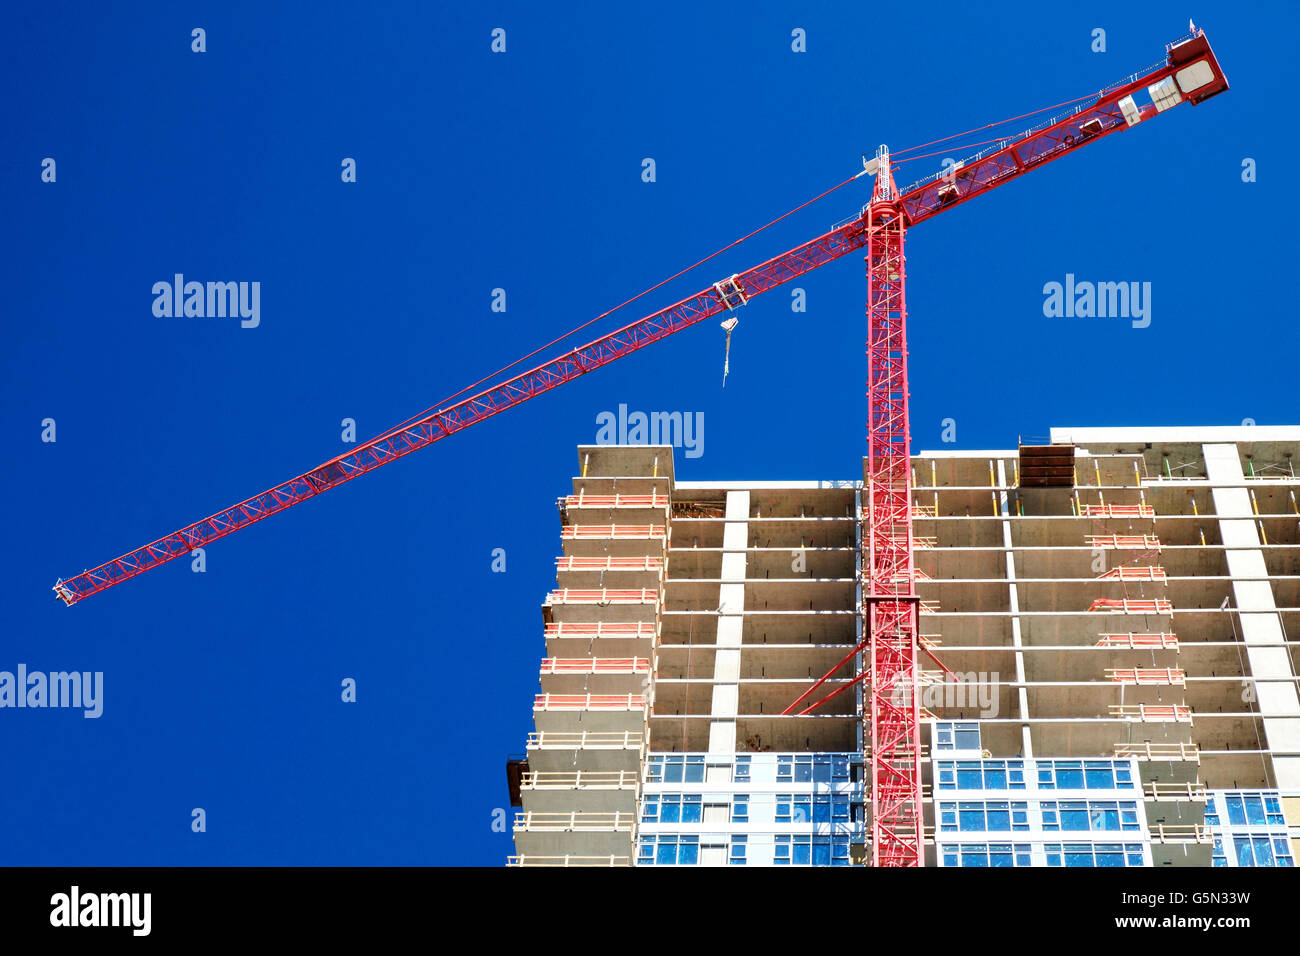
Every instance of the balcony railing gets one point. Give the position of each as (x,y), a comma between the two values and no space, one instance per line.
(1147,675)
(600,629)
(646,563)
(1128,573)
(616,501)
(1117,511)
(1158,790)
(595,665)
(1125,542)
(1153,713)
(1181,833)
(1125,606)
(585,740)
(1164,641)
(574,821)
(603,596)
(1149,751)
(580,780)
(556,702)
(532,860)
(612,531)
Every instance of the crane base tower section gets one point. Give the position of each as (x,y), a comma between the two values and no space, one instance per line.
(1118,686)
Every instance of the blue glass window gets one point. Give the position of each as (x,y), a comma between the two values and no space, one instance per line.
(821,768)
(737,851)
(987,855)
(1099,775)
(667,854)
(821,852)
(668,850)
(1089,855)
(781,851)
(947,775)
(1000,855)
(1078,854)
(1110,854)
(801,850)
(1069,775)
(1262,849)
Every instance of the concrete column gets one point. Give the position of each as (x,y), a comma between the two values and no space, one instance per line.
(731,610)
(1004,504)
(1257,611)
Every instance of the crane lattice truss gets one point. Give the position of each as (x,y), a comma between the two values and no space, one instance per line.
(887,656)
(889,593)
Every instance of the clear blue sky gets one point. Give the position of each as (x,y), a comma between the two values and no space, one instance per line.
(520,171)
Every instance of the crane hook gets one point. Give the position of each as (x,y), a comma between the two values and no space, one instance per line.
(729,325)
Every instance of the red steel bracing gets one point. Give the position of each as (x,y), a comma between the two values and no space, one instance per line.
(447,421)
(889,591)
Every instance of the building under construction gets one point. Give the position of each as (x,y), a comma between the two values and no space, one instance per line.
(1106,677)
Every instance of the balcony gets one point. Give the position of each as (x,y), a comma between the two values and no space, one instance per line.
(573,833)
(601,638)
(601,509)
(594,675)
(586,791)
(598,605)
(585,750)
(599,713)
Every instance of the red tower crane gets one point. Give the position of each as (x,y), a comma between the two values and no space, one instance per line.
(1188,71)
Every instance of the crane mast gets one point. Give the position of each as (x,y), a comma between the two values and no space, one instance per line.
(889,593)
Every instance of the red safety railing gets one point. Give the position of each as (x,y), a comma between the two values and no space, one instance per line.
(612,531)
(588,702)
(1125,542)
(1179,713)
(1135,574)
(616,501)
(1158,606)
(601,629)
(1144,641)
(646,563)
(1148,675)
(603,596)
(595,665)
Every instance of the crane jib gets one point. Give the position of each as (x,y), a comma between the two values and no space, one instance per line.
(1189,72)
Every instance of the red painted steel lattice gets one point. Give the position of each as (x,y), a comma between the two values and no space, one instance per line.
(889,578)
